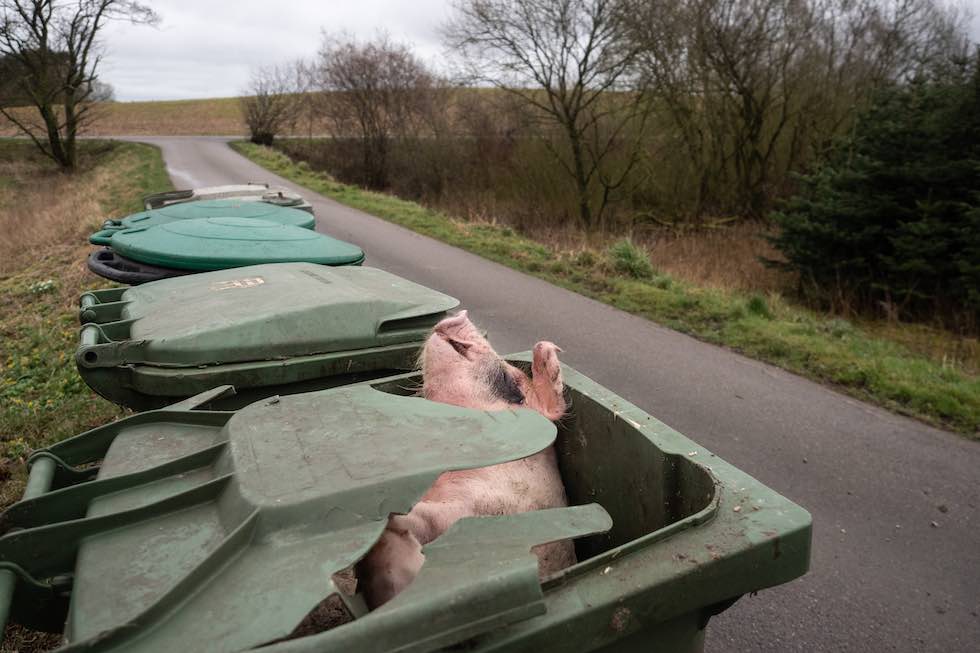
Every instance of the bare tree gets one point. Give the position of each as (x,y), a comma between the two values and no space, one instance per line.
(570,62)
(374,91)
(52,47)
(754,87)
(272,101)
(308,103)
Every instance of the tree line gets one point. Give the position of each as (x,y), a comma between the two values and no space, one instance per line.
(682,110)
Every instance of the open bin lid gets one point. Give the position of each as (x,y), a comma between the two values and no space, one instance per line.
(220,243)
(221,208)
(203,531)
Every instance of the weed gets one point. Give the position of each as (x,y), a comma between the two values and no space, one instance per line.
(42,287)
(630,260)
(585,259)
(837,328)
(662,281)
(758,306)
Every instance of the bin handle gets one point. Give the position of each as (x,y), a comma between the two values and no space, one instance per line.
(38,483)
(102,236)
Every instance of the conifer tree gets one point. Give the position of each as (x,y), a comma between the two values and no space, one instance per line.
(891,219)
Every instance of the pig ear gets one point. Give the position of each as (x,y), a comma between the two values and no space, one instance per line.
(453,323)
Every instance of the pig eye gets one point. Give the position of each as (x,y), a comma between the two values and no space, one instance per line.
(504,386)
(460,347)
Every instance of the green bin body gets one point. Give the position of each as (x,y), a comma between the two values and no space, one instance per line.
(220,531)
(268,329)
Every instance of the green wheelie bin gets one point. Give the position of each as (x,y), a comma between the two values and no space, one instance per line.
(267,329)
(189,529)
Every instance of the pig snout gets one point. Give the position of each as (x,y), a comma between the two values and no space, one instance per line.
(460,367)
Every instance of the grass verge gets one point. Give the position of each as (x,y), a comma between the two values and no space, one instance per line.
(46,217)
(847,355)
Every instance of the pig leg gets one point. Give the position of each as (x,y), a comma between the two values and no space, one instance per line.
(390,565)
(547,387)
(395,560)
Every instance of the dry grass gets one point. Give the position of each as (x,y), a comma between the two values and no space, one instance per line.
(42,209)
(207,117)
(211,117)
(21,640)
(728,258)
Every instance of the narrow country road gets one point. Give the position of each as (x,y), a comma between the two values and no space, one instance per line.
(896,550)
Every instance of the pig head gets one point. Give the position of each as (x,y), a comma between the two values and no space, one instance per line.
(459,367)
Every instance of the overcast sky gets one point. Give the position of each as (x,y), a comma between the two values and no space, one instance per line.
(205,48)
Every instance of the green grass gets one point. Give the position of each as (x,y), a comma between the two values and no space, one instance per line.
(42,397)
(768,328)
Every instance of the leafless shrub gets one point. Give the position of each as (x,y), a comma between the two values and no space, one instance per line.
(374,92)
(273,101)
(569,61)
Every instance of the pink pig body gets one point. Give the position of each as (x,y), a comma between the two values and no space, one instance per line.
(460,367)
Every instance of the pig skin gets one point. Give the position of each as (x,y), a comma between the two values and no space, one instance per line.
(459,367)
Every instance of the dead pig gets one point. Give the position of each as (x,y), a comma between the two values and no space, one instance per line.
(460,367)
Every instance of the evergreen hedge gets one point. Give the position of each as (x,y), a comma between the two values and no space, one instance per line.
(890,221)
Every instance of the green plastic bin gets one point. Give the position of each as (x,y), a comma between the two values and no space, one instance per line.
(251,192)
(202,244)
(268,329)
(222,208)
(223,532)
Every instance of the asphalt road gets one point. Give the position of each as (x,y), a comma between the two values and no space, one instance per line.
(896,550)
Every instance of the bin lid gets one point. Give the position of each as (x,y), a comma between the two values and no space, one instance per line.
(220,243)
(264,312)
(221,208)
(246,192)
(225,537)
